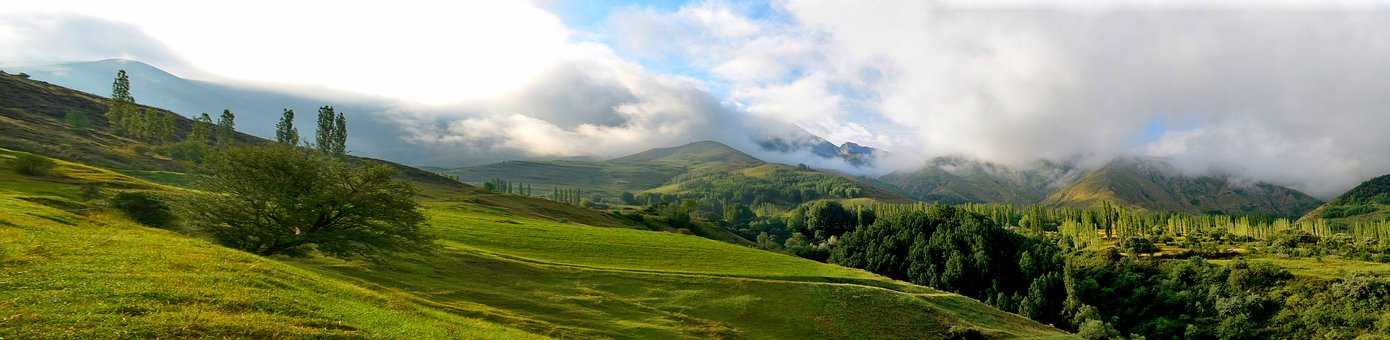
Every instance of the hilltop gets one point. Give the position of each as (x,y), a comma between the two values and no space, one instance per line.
(1154,185)
(694,156)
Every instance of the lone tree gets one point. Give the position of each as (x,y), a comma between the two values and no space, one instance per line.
(279,199)
(1138,246)
(121,109)
(285,133)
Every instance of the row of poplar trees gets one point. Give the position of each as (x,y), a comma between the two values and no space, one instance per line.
(132,121)
(152,125)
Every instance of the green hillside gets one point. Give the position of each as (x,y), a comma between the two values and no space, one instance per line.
(694,156)
(774,184)
(498,275)
(1367,202)
(700,170)
(953,180)
(1153,185)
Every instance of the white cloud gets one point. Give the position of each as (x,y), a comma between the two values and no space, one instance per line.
(422,51)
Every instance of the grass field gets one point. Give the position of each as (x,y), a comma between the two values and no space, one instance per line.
(71,270)
(1325,268)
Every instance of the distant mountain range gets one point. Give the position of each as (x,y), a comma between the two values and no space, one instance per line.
(854,154)
(1144,183)
(701,168)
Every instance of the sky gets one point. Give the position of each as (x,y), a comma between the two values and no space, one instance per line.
(1290,92)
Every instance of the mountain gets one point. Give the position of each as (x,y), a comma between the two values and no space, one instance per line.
(1367,202)
(1155,185)
(954,180)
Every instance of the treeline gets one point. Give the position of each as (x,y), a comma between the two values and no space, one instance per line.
(1103,293)
(126,118)
(1115,222)
(507,187)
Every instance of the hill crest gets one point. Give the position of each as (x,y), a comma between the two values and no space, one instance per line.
(693,155)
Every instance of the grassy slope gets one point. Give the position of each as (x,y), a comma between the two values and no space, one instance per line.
(1140,185)
(68,270)
(694,156)
(499,275)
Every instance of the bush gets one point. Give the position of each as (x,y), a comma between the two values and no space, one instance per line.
(144,207)
(191,151)
(32,165)
(91,191)
(964,333)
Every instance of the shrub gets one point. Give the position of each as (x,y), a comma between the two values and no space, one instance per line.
(33,165)
(191,151)
(91,191)
(964,333)
(144,207)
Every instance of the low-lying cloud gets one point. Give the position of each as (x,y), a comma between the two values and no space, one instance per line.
(1290,95)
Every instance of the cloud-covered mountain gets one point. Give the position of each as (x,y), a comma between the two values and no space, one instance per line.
(961,180)
(1157,185)
(801,141)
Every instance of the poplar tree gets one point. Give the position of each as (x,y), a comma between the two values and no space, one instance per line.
(340,135)
(226,127)
(121,105)
(163,126)
(202,129)
(324,139)
(285,133)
